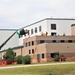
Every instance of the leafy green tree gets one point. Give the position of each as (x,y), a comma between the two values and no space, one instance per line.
(9,55)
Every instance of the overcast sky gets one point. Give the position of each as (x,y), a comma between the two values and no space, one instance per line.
(19,13)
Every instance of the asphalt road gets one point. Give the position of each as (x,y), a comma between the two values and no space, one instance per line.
(18,66)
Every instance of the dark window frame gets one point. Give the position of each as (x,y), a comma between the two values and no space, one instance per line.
(43,56)
(31,31)
(70,41)
(42,41)
(28,32)
(35,29)
(40,28)
(32,51)
(26,44)
(53,33)
(62,41)
(54,41)
(53,26)
(32,42)
(29,51)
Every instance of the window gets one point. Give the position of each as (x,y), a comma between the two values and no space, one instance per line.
(36,30)
(41,41)
(32,42)
(40,29)
(53,40)
(28,32)
(31,31)
(52,55)
(29,51)
(53,26)
(32,50)
(70,41)
(28,43)
(55,54)
(53,34)
(42,55)
(62,41)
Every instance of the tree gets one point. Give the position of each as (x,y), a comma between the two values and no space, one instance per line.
(9,55)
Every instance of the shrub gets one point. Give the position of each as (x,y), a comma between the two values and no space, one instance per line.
(27,59)
(19,59)
(56,58)
(62,57)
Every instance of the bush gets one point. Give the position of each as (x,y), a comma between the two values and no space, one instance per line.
(56,58)
(19,59)
(62,57)
(27,59)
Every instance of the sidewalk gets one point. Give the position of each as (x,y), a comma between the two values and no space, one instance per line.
(18,66)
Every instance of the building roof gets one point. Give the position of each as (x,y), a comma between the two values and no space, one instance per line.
(38,22)
(8,29)
(48,19)
(14,48)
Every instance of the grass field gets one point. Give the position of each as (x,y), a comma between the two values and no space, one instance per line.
(68,69)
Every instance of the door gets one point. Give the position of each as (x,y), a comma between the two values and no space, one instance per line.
(38,57)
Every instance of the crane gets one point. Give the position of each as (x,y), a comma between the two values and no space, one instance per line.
(21,32)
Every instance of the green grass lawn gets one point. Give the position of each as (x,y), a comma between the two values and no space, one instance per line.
(68,69)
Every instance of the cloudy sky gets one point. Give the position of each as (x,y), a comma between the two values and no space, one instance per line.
(19,13)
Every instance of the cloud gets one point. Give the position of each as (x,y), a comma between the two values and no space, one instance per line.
(19,13)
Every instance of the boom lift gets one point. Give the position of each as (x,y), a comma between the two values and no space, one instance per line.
(21,32)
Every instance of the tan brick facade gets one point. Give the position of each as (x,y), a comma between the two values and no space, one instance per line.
(40,48)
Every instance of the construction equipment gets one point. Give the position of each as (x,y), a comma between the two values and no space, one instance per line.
(21,32)
(7,40)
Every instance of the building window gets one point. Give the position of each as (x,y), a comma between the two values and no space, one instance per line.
(42,55)
(32,50)
(53,26)
(29,51)
(70,41)
(42,41)
(55,54)
(62,41)
(54,41)
(28,32)
(52,55)
(53,34)
(36,30)
(31,31)
(32,42)
(28,43)
(40,29)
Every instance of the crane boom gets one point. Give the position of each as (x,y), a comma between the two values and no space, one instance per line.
(7,40)
(22,32)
